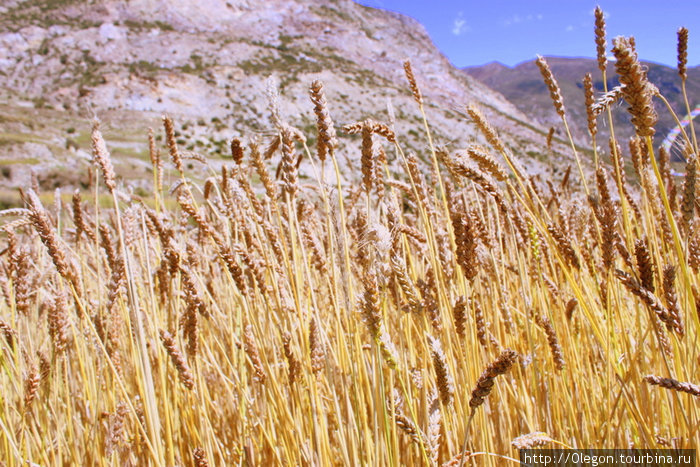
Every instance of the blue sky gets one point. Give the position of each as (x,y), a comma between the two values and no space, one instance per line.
(472,32)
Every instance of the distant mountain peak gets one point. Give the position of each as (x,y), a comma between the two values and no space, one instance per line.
(523,85)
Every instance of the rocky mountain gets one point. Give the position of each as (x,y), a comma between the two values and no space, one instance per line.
(207,63)
(523,86)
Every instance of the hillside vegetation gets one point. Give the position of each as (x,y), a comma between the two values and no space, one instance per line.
(208,64)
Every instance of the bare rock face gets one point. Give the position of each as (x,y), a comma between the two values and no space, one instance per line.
(206,62)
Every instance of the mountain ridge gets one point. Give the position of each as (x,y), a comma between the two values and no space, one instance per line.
(523,85)
(207,63)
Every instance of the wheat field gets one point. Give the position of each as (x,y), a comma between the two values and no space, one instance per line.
(448,312)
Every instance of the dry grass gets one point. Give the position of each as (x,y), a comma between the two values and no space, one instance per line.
(345,320)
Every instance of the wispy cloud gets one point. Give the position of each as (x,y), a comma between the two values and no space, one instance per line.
(569,28)
(515,19)
(459,25)
(518,19)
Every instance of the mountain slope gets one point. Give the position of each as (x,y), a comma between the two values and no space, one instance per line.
(207,62)
(523,85)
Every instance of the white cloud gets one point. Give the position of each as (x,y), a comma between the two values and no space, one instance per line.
(569,28)
(459,25)
(517,19)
